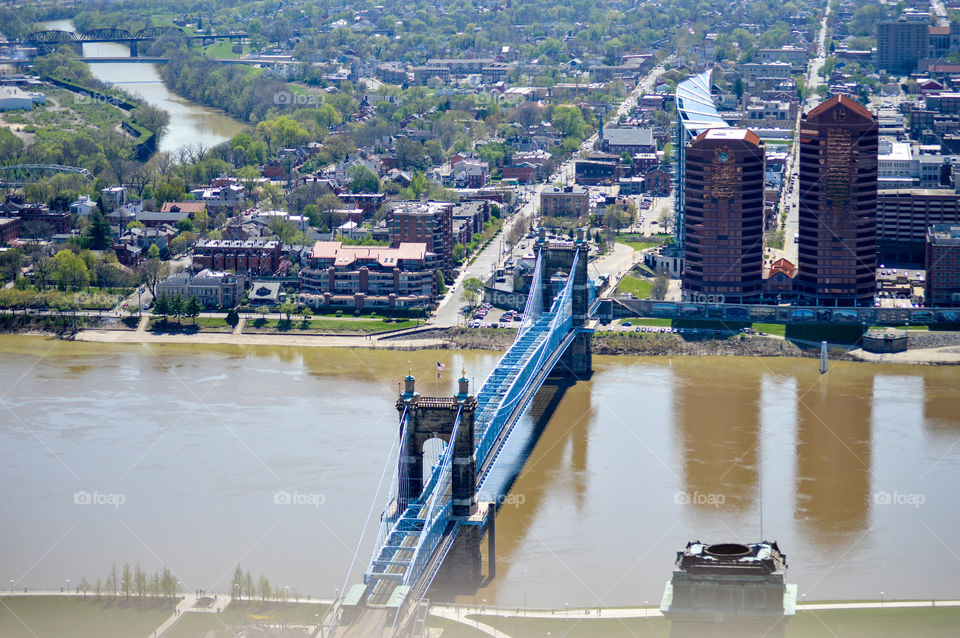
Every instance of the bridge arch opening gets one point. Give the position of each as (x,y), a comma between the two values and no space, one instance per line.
(431,452)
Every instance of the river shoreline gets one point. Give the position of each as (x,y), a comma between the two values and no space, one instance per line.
(604,343)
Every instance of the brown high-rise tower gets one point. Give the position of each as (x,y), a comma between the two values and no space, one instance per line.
(723,188)
(838,204)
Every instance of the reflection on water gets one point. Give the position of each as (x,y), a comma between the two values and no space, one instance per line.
(834,449)
(200,439)
(717,420)
(189,123)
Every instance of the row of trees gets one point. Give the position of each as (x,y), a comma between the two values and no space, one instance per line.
(177,306)
(135,583)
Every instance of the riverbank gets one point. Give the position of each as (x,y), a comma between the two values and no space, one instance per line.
(937,349)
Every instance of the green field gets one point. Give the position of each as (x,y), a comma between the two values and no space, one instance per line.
(849,623)
(76,617)
(639,288)
(297,325)
(648,321)
(203,324)
(227,623)
(777,329)
(640,242)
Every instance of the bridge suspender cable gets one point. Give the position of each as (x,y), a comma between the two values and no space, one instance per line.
(363,532)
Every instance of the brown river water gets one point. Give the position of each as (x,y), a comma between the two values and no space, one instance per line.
(203,457)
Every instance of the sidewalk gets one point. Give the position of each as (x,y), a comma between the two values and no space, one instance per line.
(189,605)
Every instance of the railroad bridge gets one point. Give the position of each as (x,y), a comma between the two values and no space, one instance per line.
(46,41)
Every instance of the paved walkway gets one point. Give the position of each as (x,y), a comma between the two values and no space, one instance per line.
(189,606)
(460,613)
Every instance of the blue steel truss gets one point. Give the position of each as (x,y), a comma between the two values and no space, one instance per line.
(408,540)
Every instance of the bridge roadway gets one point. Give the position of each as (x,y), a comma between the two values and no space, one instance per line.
(397,580)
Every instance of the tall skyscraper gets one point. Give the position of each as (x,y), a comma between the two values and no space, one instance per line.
(838,204)
(723,194)
(696,113)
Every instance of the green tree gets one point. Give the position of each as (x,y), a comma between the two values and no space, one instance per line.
(127,580)
(193,308)
(11,263)
(237,584)
(153,252)
(441,283)
(70,271)
(185,226)
(43,270)
(177,306)
(288,309)
(153,271)
(363,180)
(660,286)
(161,306)
(472,289)
(459,253)
(98,235)
(233,318)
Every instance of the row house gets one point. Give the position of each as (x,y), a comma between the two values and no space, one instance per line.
(261,257)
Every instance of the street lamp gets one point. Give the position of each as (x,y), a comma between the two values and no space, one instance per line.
(68,586)
(881,600)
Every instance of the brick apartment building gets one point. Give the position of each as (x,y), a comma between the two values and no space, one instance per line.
(569,201)
(430,223)
(259,257)
(9,229)
(369,276)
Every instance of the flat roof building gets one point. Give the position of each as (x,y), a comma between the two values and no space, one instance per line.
(943,265)
(369,276)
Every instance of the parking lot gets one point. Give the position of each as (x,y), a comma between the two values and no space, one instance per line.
(486,316)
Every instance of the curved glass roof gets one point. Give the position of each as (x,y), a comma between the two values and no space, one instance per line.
(695,106)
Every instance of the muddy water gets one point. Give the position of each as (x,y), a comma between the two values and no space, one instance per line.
(202,457)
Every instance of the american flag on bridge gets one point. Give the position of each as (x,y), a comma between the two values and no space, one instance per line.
(440,369)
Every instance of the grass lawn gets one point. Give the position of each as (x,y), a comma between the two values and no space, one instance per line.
(297,325)
(912,327)
(203,324)
(648,321)
(223,49)
(640,242)
(57,616)
(777,329)
(639,288)
(225,623)
(849,623)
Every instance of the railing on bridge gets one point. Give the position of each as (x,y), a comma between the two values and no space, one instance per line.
(407,539)
(14,175)
(507,383)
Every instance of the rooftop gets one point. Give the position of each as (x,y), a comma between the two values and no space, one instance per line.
(695,105)
(346,255)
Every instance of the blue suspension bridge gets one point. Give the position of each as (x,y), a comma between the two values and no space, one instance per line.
(440,520)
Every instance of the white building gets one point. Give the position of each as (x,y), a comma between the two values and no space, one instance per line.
(15,99)
(897,167)
(83,206)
